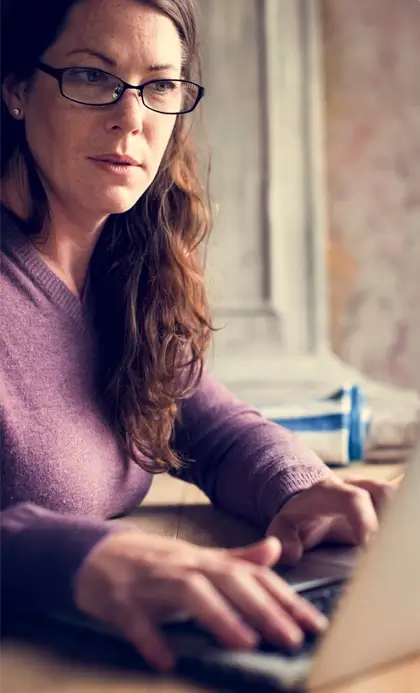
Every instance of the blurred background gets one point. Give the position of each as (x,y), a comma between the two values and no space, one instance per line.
(313,115)
(372,115)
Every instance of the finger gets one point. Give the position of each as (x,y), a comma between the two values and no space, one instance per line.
(354,503)
(265,552)
(361,513)
(151,644)
(381,493)
(302,611)
(314,532)
(212,611)
(291,544)
(257,606)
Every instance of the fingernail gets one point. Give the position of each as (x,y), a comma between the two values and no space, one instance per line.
(296,637)
(252,638)
(322,622)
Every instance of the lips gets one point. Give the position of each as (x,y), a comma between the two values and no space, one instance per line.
(118,159)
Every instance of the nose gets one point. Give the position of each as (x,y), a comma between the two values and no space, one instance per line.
(128,113)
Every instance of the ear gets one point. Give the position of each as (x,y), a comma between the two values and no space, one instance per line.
(14,95)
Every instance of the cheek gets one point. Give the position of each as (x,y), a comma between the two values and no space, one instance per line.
(53,136)
(159,136)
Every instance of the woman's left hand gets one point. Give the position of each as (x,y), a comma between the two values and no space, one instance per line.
(333,510)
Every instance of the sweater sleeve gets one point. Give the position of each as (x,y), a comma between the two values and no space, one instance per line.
(41,552)
(246,465)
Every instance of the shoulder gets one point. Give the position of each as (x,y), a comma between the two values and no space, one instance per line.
(12,279)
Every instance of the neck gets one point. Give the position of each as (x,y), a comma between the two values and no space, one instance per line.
(68,247)
(67,244)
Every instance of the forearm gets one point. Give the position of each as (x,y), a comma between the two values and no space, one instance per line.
(245,464)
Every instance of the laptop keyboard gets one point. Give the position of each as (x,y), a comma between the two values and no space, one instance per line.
(324,599)
(189,638)
(193,639)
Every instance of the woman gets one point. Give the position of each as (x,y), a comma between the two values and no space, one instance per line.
(104,330)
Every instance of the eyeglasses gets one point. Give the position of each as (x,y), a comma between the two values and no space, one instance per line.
(92,87)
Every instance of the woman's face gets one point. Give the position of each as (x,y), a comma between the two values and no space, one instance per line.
(137,44)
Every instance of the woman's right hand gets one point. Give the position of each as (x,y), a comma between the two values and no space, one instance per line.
(134,582)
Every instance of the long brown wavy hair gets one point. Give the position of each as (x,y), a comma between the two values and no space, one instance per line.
(150,307)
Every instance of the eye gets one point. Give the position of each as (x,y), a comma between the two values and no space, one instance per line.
(164,86)
(89,76)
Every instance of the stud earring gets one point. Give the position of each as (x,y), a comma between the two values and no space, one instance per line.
(16,112)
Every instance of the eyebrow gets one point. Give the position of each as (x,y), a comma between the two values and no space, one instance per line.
(113,63)
(95,54)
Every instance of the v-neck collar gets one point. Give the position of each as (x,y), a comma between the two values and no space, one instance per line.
(13,230)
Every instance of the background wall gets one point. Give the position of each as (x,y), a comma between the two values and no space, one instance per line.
(372,66)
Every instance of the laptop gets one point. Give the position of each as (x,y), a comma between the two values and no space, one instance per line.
(372,599)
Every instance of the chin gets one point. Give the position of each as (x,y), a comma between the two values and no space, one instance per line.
(118,202)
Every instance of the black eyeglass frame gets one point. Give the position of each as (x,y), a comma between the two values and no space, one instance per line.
(57,73)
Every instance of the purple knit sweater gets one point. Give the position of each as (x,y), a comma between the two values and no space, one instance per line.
(62,473)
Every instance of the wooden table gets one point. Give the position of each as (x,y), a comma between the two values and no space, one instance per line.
(49,658)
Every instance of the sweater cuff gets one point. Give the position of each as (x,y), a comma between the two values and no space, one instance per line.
(42,551)
(287,483)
